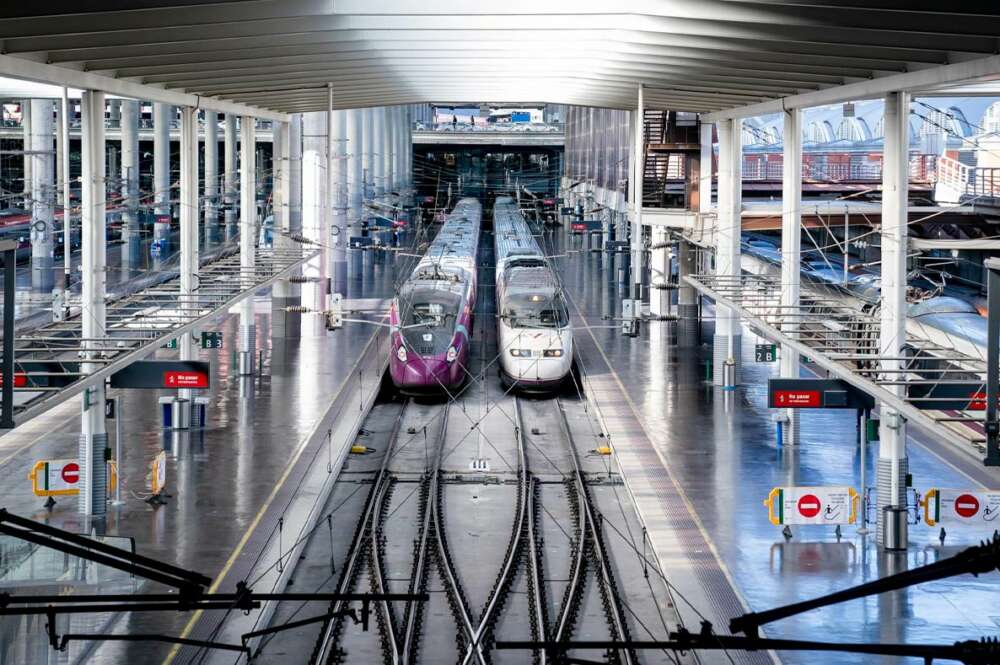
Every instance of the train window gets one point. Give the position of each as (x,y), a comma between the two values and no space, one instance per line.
(536,311)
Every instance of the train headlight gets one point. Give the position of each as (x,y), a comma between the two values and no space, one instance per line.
(553,353)
(401,354)
(452,354)
(521,353)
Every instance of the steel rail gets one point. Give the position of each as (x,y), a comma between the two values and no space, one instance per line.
(364,536)
(514,548)
(410,637)
(619,628)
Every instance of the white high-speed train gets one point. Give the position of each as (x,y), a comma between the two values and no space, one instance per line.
(533,331)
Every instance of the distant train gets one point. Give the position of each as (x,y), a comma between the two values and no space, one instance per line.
(533,331)
(952,323)
(431,316)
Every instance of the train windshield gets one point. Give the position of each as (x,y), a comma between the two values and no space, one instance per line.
(429,321)
(534,310)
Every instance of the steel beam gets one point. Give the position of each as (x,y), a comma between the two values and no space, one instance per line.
(791,252)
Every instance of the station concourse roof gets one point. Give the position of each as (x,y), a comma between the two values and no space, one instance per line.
(695,55)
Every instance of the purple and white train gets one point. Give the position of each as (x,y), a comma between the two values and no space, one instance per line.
(431,316)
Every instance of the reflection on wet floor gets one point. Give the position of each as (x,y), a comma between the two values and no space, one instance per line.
(218,477)
(721,448)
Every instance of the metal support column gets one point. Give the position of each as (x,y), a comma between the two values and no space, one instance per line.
(8,254)
(248,240)
(131,234)
(892,460)
(283,323)
(992,425)
(637,175)
(64,163)
(659,294)
(387,150)
(368,154)
(229,175)
(212,175)
(93,433)
(726,344)
(315,217)
(791,256)
(378,151)
(337,167)
(190,214)
(355,168)
(43,195)
(25,143)
(161,176)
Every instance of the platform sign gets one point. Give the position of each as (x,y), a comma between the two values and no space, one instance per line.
(812,505)
(20,379)
(548,202)
(765,353)
(152,374)
(211,339)
(59,477)
(170,344)
(158,473)
(957,506)
(583,226)
(565,211)
(815,394)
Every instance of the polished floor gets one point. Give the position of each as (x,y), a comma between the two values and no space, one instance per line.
(722,451)
(218,477)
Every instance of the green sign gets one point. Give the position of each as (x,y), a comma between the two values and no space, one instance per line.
(211,340)
(766,353)
(172,344)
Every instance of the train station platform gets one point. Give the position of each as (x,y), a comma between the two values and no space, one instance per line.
(700,461)
(238,489)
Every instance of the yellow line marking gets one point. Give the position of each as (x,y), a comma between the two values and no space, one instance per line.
(259,516)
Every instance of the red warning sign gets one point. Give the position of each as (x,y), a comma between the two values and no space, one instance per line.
(809,505)
(71,472)
(966,505)
(797,398)
(185,379)
(20,380)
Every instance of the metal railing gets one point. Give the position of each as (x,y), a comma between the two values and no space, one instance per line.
(817,167)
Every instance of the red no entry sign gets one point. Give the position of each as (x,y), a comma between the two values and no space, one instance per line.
(71,472)
(797,398)
(809,505)
(20,380)
(185,380)
(966,505)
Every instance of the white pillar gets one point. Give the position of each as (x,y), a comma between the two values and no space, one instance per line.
(161,172)
(64,163)
(315,217)
(355,168)
(93,434)
(368,155)
(378,151)
(248,240)
(892,459)
(284,324)
(211,171)
(397,144)
(229,176)
(726,344)
(189,232)
(659,295)
(130,181)
(25,142)
(791,255)
(337,168)
(705,175)
(43,194)
(387,151)
(637,174)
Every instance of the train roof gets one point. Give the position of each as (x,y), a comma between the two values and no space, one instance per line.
(451,256)
(511,233)
(530,279)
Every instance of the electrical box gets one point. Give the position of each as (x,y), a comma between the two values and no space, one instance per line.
(335,315)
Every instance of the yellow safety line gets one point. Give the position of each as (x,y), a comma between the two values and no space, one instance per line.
(677,486)
(256,520)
